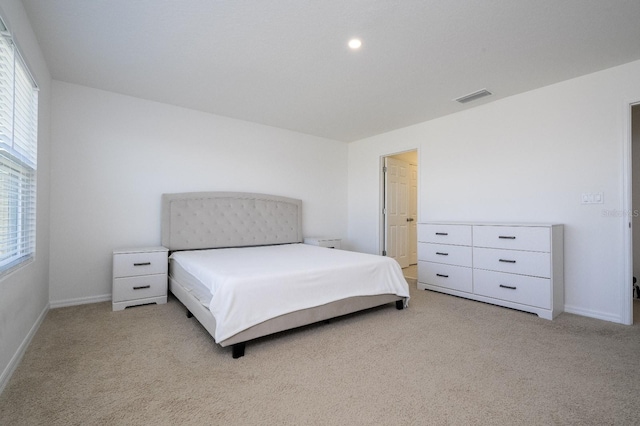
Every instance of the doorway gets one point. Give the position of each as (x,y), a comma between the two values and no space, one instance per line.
(400,210)
(635,212)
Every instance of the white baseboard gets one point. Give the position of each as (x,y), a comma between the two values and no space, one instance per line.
(17,357)
(79,301)
(593,314)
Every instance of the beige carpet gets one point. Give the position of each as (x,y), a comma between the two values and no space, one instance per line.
(443,361)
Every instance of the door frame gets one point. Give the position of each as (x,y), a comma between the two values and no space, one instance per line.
(382,232)
(626,310)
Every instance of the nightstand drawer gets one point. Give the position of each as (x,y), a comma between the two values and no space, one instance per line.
(334,243)
(139,287)
(144,263)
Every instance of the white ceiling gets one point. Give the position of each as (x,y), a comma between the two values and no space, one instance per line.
(286,63)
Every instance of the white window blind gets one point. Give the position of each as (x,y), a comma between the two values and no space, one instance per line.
(18,156)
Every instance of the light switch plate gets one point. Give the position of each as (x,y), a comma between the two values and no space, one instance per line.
(592,198)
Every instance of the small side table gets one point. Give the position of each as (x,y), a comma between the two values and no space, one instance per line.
(333,243)
(139,276)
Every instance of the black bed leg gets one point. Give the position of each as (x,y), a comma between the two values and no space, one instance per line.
(237,350)
(399,305)
(189,314)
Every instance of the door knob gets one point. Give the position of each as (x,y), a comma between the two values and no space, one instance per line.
(409,219)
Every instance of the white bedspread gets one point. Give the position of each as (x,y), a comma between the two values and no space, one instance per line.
(253,284)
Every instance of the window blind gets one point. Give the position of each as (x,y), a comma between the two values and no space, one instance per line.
(18,156)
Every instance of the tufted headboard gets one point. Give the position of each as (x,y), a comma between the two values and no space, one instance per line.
(200,220)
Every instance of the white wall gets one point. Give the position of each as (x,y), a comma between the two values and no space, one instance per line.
(526,158)
(114,155)
(24,294)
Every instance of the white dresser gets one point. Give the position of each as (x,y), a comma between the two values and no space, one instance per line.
(139,277)
(519,266)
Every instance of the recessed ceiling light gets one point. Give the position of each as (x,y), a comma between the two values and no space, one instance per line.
(354,43)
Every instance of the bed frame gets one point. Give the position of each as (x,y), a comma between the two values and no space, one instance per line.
(203,220)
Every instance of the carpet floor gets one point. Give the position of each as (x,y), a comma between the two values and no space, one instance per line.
(442,361)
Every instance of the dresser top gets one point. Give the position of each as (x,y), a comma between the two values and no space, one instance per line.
(540,224)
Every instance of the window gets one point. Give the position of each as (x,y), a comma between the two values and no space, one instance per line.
(18,156)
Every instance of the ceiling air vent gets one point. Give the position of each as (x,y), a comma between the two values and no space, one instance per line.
(473,96)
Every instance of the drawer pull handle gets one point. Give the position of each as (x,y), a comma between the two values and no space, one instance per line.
(442,233)
(142,287)
(442,254)
(507,237)
(142,264)
(507,286)
(506,261)
(443,275)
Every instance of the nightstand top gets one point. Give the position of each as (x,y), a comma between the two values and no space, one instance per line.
(141,250)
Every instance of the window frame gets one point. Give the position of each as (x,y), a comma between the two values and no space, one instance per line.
(18,156)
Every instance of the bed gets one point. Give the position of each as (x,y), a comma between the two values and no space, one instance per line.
(238,265)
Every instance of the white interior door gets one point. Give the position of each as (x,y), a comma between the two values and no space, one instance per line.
(413,214)
(397,210)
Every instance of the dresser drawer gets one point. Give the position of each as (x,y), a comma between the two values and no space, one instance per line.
(512,237)
(530,291)
(444,234)
(532,263)
(139,287)
(449,276)
(444,253)
(145,263)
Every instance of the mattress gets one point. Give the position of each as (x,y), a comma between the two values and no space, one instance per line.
(190,283)
(250,285)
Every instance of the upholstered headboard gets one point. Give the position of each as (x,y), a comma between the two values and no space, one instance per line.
(200,220)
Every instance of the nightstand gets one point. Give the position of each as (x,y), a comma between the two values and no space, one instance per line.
(333,243)
(139,276)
